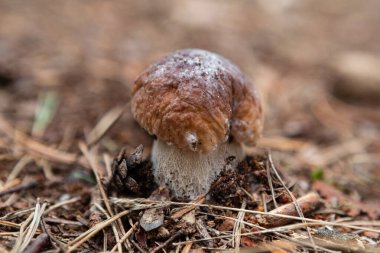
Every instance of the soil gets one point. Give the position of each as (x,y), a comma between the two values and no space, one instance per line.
(65,64)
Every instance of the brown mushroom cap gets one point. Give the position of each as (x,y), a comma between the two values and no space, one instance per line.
(195,99)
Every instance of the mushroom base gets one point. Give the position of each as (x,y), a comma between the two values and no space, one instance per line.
(187,173)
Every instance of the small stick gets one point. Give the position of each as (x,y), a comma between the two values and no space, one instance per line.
(273,230)
(269,177)
(39,149)
(127,203)
(264,202)
(54,241)
(62,203)
(18,188)
(238,227)
(107,162)
(41,241)
(94,166)
(248,194)
(10,184)
(137,246)
(105,123)
(115,231)
(187,209)
(16,214)
(20,165)
(296,205)
(126,235)
(63,221)
(74,244)
(307,203)
(187,247)
(9,224)
(179,233)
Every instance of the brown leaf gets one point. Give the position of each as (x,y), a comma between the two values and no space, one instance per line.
(227,225)
(247,242)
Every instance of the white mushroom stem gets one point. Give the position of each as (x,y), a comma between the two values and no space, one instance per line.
(188,173)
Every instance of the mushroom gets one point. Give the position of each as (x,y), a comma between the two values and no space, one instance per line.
(201,109)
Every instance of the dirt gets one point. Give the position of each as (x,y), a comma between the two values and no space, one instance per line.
(77,60)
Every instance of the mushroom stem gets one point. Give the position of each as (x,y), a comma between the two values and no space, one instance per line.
(187,173)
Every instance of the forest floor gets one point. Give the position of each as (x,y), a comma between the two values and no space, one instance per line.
(66,72)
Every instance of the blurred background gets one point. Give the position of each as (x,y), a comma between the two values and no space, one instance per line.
(64,64)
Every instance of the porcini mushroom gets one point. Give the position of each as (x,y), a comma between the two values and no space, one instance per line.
(201,108)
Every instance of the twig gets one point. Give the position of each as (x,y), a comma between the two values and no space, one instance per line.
(187,247)
(297,206)
(268,230)
(33,225)
(104,124)
(18,167)
(119,201)
(94,167)
(15,234)
(264,202)
(27,231)
(62,203)
(63,221)
(307,204)
(37,148)
(93,231)
(307,244)
(177,234)
(9,224)
(262,231)
(114,229)
(8,157)
(126,235)
(237,228)
(16,214)
(60,244)
(187,209)
(105,240)
(18,188)
(248,194)
(47,169)
(254,233)
(10,184)
(137,246)
(107,162)
(269,177)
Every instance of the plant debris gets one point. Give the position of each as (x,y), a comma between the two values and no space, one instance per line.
(310,185)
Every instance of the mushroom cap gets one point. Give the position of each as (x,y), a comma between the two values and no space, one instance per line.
(195,99)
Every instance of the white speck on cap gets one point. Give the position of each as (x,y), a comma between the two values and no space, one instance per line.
(192,140)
